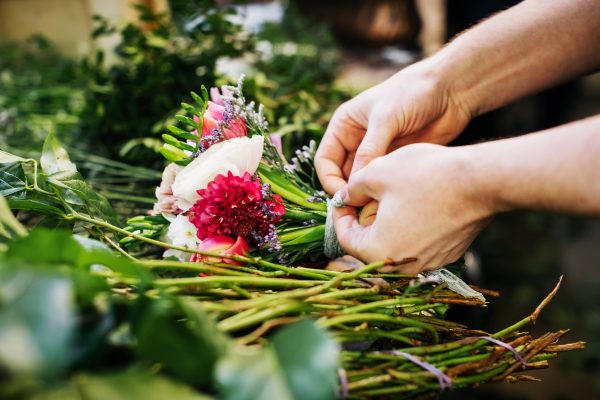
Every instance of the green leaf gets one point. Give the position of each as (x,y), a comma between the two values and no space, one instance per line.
(9,226)
(59,247)
(54,157)
(41,204)
(301,363)
(181,133)
(179,335)
(173,154)
(133,384)
(6,157)
(36,319)
(190,109)
(168,139)
(12,180)
(186,120)
(252,374)
(75,191)
(197,99)
(309,359)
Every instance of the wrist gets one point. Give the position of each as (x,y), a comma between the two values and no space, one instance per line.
(449,73)
(481,181)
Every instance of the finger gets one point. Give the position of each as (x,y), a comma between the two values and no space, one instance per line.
(340,141)
(351,235)
(330,175)
(347,167)
(382,129)
(360,189)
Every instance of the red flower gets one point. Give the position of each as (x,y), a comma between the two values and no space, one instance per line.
(234,206)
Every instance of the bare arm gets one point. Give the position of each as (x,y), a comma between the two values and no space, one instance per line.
(554,170)
(529,47)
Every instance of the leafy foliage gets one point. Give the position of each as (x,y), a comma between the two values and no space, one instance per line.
(294,78)
(157,62)
(40,92)
(53,186)
(59,318)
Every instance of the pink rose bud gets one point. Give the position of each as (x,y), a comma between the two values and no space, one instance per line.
(223,245)
(217,96)
(231,126)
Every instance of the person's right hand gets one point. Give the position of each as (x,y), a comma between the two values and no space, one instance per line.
(412,106)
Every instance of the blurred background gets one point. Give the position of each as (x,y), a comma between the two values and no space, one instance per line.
(106,76)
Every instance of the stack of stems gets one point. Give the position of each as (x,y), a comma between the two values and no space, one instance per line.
(384,315)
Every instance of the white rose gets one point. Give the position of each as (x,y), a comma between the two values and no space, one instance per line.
(237,155)
(181,233)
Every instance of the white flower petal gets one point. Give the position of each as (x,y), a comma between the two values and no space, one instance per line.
(237,155)
(181,233)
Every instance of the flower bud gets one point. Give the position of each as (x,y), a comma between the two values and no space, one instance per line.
(223,245)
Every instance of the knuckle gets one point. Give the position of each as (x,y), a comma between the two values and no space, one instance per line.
(367,150)
(384,114)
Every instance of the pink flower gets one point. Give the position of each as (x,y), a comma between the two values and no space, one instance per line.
(165,200)
(223,245)
(217,96)
(220,122)
(236,206)
(277,142)
(232,125)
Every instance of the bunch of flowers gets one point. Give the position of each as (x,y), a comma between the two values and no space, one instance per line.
(229,189)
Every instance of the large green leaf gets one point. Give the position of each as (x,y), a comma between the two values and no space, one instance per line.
(252,374)
(180,336)
(75,191)
(37,319)
(301,363)
(54,157)
(39,203)
(59,247)
(131,385)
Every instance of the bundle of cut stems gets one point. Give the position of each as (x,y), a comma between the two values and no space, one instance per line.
(377,318)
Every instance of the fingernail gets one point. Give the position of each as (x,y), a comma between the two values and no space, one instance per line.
(339,198)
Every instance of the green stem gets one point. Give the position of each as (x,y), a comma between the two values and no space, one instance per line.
(190,266)
(251,281)
(383,303)
(364,317)
(247,260)
(269,313)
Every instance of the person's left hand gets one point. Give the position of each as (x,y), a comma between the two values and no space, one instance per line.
(429,207)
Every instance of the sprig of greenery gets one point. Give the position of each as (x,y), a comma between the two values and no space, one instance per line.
(176,142)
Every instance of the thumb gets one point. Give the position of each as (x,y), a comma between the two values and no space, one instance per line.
(359,190)
(382,129)
(350,234)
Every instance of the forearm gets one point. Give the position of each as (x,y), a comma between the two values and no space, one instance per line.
(557,170)
(527,48)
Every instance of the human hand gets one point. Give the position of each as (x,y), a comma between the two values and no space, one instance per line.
(429,207)
(415,105)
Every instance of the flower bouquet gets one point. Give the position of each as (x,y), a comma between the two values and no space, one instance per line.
(230,310)
(229,189)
